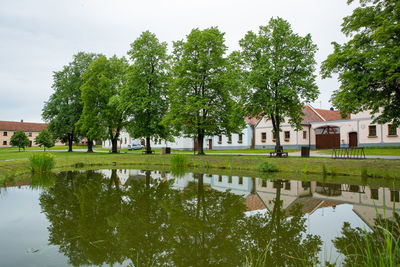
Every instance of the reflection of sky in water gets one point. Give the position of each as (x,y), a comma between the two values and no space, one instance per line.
(328,222)
(23,231)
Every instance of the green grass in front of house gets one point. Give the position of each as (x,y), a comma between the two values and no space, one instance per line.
(372,151)
(213,151)
(41,148)
(292,165)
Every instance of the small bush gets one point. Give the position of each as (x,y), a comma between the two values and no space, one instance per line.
(324,170)
(79,165)
(267,166)
(364,172)
(179,161)
(42,162)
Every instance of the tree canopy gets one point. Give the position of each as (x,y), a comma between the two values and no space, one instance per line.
(144,96)
(278,67)
(64,107)
(369,63)
(102,114)
(20,140)
(44,139)
(201,98)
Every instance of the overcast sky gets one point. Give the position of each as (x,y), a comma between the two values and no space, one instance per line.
(38,37)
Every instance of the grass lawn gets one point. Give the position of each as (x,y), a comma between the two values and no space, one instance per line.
(372,151)
(41,148)
(14,163)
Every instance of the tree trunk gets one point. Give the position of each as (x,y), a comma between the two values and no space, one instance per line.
(114,148)
(200,139)
(277,139)
(148,146)
(70,140)
(90,145)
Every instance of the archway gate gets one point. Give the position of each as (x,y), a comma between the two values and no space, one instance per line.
(327,137)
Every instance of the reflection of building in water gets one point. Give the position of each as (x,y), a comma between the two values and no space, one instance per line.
(367,202)
(261,194)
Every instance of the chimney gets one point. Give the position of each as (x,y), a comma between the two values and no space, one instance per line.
(331,109)
(22,120)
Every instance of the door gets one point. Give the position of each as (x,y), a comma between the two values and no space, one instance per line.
(209,144)
(353,139)
(327,141)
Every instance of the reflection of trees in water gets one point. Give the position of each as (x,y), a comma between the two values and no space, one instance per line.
(381,249)
(95,221)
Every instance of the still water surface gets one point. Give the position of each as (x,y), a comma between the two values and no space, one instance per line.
(153,218)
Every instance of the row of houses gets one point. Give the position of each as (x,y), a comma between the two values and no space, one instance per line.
(321,129)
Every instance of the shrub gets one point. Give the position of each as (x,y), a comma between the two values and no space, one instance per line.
(42,162)
(267,166)
(179,161)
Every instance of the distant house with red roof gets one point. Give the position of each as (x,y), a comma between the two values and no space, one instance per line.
(8,128)
(325,129)
(31,129)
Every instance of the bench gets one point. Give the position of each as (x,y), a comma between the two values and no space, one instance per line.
(145,152)
(278,153)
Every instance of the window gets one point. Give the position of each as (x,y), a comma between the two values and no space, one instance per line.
(394,196)
(273,136)
(306,185)
(220,139)
(125,140)
(392,130)
(287,185)
(30,134)
(287,135)
(4,143)
(374,194)
(240,138)
(240,180)
(4,133)
(263,137)
(304,134)
(230,139)
(372,130)
(220,178)
(230,179)
(264,183)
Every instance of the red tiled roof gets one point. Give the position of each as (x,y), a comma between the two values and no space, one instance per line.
(251,121)
(309,115)
(22,126)
(329,115)
(315,114)
(253,202)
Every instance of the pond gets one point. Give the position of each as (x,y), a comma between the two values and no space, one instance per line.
(150,218)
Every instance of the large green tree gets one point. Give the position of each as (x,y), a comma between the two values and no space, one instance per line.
(64,107)
(144,97)
(102,114)
(20,140)
(278,67)
(44,139)
(201,96)
(369,63)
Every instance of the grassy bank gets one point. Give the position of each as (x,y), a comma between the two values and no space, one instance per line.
(15,163)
